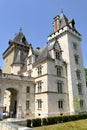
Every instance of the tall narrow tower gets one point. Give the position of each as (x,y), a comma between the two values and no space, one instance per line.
(69,39)
(16,54)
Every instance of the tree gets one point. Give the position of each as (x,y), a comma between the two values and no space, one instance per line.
(86,75)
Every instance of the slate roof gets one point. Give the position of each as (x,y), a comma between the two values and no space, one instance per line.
(20,38)
(64,21)
(44,52)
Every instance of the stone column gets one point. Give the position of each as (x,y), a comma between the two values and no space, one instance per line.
(1,103)
(19,105)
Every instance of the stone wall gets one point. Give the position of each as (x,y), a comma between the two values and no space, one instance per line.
(11,126)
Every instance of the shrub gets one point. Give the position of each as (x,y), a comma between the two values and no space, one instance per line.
(59,119)
(36,122)
(54,120)
(28,122)
(51,120)
(44,121)
(65,118)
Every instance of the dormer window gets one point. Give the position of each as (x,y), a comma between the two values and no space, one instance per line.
(23,40)
(57,55)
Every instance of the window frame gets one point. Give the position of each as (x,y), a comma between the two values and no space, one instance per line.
(39,70)
(57,55)
(81,103)
(28,89)
(75,46)
(78,74)
(39,87)
(59,71)
(79,89)
(76,57)
(59,87)
(60,104)
(39,103)
(27,104)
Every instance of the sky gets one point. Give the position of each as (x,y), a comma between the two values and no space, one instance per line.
(35,17)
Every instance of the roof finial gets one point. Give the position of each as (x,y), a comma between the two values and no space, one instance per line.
(20,29)
(61,10)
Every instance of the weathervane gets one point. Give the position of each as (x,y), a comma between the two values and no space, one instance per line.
(61,10)
(20,29)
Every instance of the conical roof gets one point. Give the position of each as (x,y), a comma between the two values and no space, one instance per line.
(20,38)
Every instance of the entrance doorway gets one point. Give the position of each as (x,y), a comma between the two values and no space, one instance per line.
(10,102)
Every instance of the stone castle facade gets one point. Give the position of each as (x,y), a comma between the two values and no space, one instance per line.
(47,81)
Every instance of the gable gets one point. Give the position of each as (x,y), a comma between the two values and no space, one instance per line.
(57,46)
(30,51)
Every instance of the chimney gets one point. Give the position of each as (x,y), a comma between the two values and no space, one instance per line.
(56,23)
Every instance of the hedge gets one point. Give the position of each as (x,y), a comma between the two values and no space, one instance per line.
(28,122)
(51,120)
(44,121)
(54,120)
(36,122)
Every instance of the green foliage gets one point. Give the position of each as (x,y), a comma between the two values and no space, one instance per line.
(86,73)
(54,120)
(28,122)
(36,122)
(59,119)
(44,121)
(51,120)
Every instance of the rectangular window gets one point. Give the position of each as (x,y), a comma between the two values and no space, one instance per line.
(39,70)
(78,74)
(60,104)
(39,102)
(79,89)
(27,104)
(81,103)
(59,87)
(75,46)
(76,59)
(57,55)
(39,86)
(59,71)
(28,89)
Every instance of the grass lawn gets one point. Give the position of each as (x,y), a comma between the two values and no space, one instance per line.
(74,125)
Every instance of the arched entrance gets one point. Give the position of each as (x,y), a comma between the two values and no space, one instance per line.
(10,102)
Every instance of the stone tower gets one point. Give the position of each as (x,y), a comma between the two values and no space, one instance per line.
(15,55)
(69,39)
